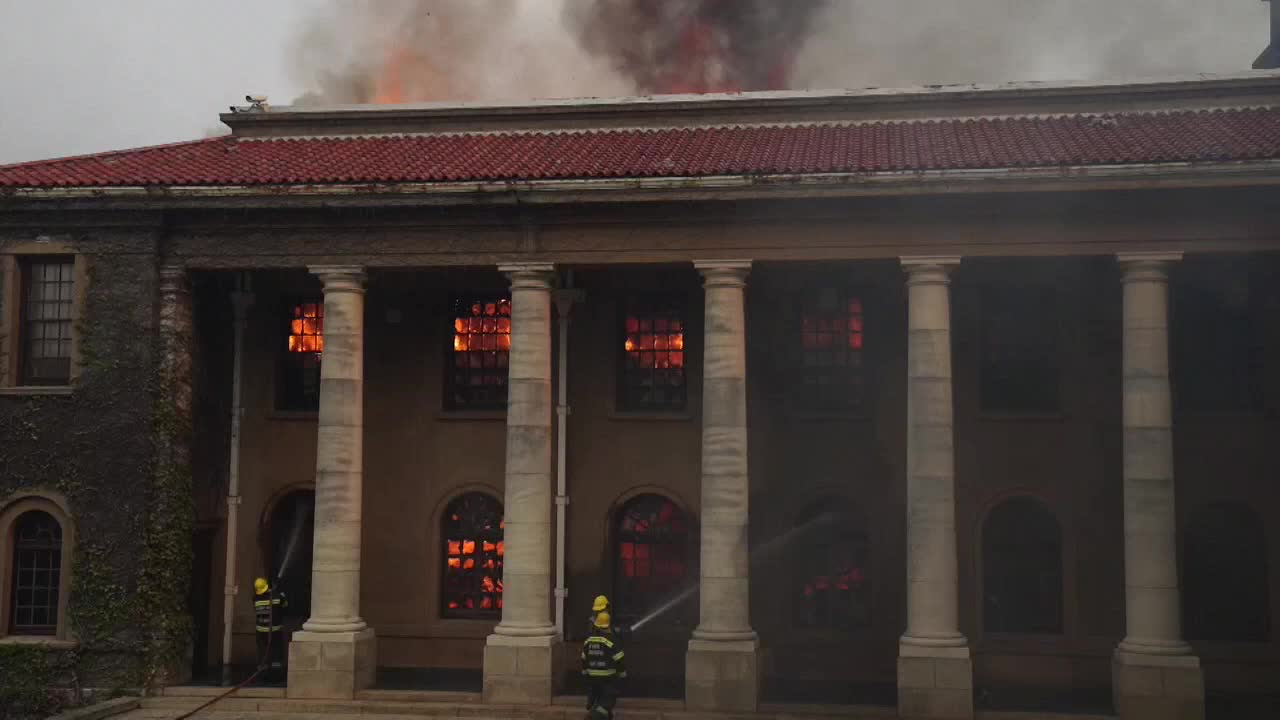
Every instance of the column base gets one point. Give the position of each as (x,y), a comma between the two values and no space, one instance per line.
(935,682)
(1147,687)
(722,675)
(331,666)
(522,670)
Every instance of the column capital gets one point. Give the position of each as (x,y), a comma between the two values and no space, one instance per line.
(340,278)
(530,276)
(929,269)
(1147,266)
(723,273)
(173,279)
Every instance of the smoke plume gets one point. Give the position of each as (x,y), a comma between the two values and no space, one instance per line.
(694,46)
(500,50)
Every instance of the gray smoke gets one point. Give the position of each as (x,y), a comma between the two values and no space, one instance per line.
(494,50)
(696,45)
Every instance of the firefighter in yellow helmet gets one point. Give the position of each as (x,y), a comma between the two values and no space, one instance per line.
(268,610)
(599,605)
(603,666)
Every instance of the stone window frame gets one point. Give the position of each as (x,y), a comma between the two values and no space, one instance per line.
(800,300)
(1209,275)
(280,334)
(449,407)
(687,611)
(1190,538)
(1056,298)
(690,542)
(11,301)
(264,534)
(652,302)
(1066,630)
(439,550)
(807,542)
(11,509)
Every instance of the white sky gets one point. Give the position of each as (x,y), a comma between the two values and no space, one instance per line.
(79,76)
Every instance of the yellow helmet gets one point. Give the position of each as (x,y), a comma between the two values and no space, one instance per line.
(260,586)
(600,604)
(602,620)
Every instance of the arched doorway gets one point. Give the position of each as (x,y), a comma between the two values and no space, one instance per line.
(286,541)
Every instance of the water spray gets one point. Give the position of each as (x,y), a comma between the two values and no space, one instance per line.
(299,519)
(759,553)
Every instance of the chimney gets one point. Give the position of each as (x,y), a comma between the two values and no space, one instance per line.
(1270,58)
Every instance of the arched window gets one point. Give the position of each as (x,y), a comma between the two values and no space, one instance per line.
(471,536)
(37,574)
(1225,575)
(290,536)
(1021,569)
(651,554)
(831,587)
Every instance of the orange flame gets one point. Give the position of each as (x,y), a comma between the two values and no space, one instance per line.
(406,76)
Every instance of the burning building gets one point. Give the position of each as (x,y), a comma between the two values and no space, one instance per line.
(947,397)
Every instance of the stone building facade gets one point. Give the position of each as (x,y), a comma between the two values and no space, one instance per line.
(944,398)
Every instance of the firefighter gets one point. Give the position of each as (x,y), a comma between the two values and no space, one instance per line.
(268,610)
(603,666)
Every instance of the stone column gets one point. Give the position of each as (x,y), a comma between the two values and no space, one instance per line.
(334,656)
(522,658)
(169,509)
(1154,674)
(935,671)
(721,667)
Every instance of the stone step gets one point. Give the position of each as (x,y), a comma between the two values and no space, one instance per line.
(266,703)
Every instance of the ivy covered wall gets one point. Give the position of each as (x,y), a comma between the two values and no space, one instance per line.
(108,449)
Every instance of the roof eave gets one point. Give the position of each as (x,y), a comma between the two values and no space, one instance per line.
(731,187)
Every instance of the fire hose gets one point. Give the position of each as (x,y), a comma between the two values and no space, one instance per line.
(263,665)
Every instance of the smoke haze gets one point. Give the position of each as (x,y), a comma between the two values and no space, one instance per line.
(493,50)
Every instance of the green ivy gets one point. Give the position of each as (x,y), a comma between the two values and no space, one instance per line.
(25,687)
(117,450)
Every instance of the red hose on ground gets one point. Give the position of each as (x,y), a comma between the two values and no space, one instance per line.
(246,681)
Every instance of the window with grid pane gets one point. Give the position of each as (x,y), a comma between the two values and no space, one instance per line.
(299,387)
(831,586)
(471,535)
(1019,371)
(653,355)
(1022,568)
(651,555)
(477,377)
(1218,351)
(47,299)
(37,567)
(831,351)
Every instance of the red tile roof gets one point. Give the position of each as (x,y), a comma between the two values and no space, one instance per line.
(952,144)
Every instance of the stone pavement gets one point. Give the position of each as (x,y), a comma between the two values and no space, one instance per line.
(270,704)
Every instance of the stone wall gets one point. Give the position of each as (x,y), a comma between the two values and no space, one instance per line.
(93,448)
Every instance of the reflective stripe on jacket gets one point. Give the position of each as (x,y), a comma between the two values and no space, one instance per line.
(602,658)
(267,612)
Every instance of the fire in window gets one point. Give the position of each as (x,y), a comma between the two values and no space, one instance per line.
(653,356)
(472,532)
(651,554)
(481,352)
(831,588)
(831,348)
(300,371)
